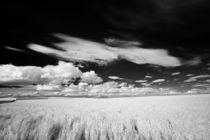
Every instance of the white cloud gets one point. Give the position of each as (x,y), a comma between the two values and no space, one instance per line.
(91,77)
(190,80)
(158,81)
(81,50)
(175,73)
(114,77)
(148,76)
(140,81)
(50,74)
(107,89)
(147,56)
(188,75)
(146,84)
(112,88)
(193,79)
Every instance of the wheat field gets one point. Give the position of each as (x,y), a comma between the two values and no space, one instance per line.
(138,118)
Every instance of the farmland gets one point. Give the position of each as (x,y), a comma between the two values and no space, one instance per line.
(184,117)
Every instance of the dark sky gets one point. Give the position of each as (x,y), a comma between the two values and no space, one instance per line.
(179,26)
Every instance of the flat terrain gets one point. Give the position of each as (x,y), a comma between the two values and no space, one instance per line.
(184,117)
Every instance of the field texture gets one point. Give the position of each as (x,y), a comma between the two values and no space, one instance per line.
(139,118)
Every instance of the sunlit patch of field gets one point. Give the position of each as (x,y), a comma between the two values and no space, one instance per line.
(139,118)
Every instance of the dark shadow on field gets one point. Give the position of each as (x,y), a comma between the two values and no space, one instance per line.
(2,102)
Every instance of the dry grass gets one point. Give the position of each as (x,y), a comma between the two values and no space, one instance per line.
(145,118)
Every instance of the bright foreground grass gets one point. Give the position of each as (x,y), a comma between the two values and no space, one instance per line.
(139,118)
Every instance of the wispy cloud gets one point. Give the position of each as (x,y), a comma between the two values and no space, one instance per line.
(208,80)
(81,50)
(121,43)
(158,81)
(175,73)
(148,76)
(14,49)
(188,75)
(200,85)
(141,81)
(193,62)
(115,78)
(193,79)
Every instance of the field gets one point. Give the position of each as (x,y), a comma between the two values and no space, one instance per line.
(184,117)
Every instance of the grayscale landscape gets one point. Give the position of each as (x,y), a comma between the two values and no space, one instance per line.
(105,70)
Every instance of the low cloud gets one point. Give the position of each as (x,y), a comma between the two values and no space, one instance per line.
(158,81)
(146,84)
(48,87)
(193,62)
(141,81)
(193,79)
(175,73)
(81,50)
(208,80)
(110,88)
(188,75)
(63,73)
(200,85)
(148,76)
(114,78)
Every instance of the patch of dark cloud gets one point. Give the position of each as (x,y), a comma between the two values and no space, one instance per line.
(168,17)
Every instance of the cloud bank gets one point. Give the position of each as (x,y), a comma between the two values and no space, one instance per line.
(81,50)
(112,88)
(63,73)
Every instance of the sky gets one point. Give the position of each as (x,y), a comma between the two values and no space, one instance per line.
(131,44)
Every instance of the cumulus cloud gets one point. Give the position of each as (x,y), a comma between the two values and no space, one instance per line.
(114,78)
(175,73)
(91,77)
(51,74)
(194,78)
(158,81)
(81,50)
